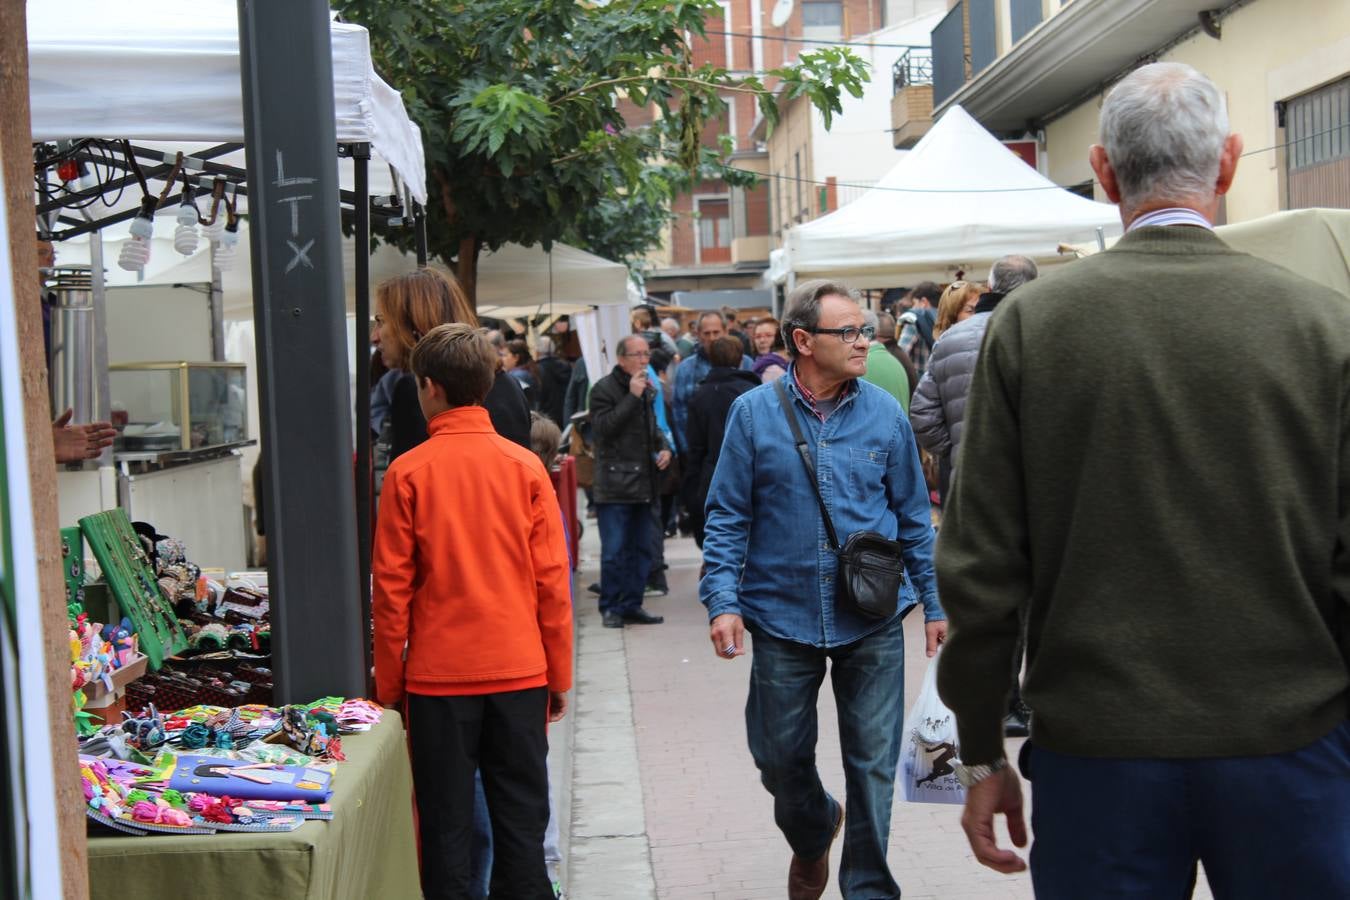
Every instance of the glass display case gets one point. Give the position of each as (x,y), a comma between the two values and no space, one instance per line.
(178,406)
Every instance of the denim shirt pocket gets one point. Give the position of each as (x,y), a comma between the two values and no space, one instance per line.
(866,469)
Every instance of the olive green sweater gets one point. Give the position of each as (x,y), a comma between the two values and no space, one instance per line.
(1156,474)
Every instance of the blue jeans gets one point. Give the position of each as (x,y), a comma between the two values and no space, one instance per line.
(1264,826)
(480,851)
(780,716)
(625,554)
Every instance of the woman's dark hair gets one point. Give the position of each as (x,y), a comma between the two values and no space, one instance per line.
(521,351)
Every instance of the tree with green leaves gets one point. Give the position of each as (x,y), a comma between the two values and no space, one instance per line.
(518,101)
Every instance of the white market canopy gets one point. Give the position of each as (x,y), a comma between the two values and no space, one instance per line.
(959,199)
(512,282)
(163,70)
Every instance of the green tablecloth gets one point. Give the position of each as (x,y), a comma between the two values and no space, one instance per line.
(367,850)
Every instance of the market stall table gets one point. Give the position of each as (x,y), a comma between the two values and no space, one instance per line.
(367,849)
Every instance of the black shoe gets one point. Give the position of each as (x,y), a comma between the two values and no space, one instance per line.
(611,620)
(1015,726)
(594,588)
(640,616)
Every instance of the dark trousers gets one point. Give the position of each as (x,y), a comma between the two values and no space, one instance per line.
(501,735)
(625,554)
(1263,826)
(656,537)
(780,717)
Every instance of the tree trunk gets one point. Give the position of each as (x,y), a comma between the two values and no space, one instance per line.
(16,171)
(466,267)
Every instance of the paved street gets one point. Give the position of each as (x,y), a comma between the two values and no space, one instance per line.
(666,802)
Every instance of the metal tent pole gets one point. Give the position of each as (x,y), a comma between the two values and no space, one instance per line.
(286,66)
(360,154)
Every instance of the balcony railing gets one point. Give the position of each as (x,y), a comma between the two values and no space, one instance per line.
(915,67)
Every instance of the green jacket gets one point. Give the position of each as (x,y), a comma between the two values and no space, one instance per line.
(885,371)
(1156,475)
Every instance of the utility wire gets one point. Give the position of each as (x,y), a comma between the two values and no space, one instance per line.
(1051,187)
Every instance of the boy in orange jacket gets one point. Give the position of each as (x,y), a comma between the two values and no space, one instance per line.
(473,622)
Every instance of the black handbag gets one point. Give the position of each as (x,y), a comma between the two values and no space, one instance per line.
(871,567)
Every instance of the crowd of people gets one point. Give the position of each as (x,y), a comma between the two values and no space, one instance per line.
(1140,463)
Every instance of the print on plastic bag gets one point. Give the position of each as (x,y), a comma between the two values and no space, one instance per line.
(930,751)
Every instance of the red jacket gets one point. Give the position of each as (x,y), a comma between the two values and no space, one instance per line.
(470,567)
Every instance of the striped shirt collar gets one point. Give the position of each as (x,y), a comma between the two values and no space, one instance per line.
(844,392)
(1173,215)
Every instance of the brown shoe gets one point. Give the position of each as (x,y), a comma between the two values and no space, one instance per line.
(807,880)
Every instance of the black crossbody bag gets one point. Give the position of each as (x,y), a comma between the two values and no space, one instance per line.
(871,567)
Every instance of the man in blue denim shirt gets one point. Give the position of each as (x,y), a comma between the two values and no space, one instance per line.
(771,570)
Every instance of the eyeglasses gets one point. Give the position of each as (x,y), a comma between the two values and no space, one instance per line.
(848,335)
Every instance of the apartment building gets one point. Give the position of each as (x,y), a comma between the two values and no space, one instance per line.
(1039,69)
(721,236)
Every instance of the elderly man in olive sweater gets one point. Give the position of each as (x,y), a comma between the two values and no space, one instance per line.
(1155,475)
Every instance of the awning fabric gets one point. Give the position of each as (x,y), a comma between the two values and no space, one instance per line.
(162,70)
(958,200)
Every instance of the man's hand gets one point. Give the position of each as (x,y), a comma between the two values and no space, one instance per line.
(999,793)
(663,459)
(934,634)
(637,385)
(727,633)
(557,705)
(75,443)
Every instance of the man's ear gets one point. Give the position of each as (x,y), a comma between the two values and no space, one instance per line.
(1106,176)
(1228,163)
(802,339)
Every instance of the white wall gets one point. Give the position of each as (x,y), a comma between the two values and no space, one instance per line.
(159,324)
(859,148)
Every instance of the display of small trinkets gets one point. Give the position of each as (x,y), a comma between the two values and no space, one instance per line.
(128,771)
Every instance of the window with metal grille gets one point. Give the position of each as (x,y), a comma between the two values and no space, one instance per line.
(1318,126)
(1317,129)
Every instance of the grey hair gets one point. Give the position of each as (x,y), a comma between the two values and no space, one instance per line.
(496,338)
(870,318)
(543,346)
(1011,272)
(698,323)
(630,338)
(1164,128)
(803,307)
(674,323)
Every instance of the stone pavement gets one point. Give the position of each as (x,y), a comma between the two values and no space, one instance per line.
(666,802)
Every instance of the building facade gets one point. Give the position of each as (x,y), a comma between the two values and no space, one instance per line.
(720,237)
(1039,70)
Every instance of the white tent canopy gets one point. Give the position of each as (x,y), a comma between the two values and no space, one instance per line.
(514,281)
(958,200)
(162,70)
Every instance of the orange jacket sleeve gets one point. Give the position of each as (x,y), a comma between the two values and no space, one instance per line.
(393,568)
(553,583)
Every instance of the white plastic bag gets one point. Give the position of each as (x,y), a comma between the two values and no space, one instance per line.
(929,750)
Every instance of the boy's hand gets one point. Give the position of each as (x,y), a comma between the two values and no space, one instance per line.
(557,705)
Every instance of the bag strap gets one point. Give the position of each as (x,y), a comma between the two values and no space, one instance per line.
(805,454)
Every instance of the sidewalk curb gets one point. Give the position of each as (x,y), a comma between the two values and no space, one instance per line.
(607,850)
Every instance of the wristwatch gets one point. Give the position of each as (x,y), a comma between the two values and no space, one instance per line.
(969,776)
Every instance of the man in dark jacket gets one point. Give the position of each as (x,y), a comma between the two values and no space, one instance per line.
(555,374)
(629,451)
(708,420)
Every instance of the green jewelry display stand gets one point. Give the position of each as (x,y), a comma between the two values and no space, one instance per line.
(126,569)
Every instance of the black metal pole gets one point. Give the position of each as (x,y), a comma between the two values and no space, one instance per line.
(420,224)
(285,64)
(361,164)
